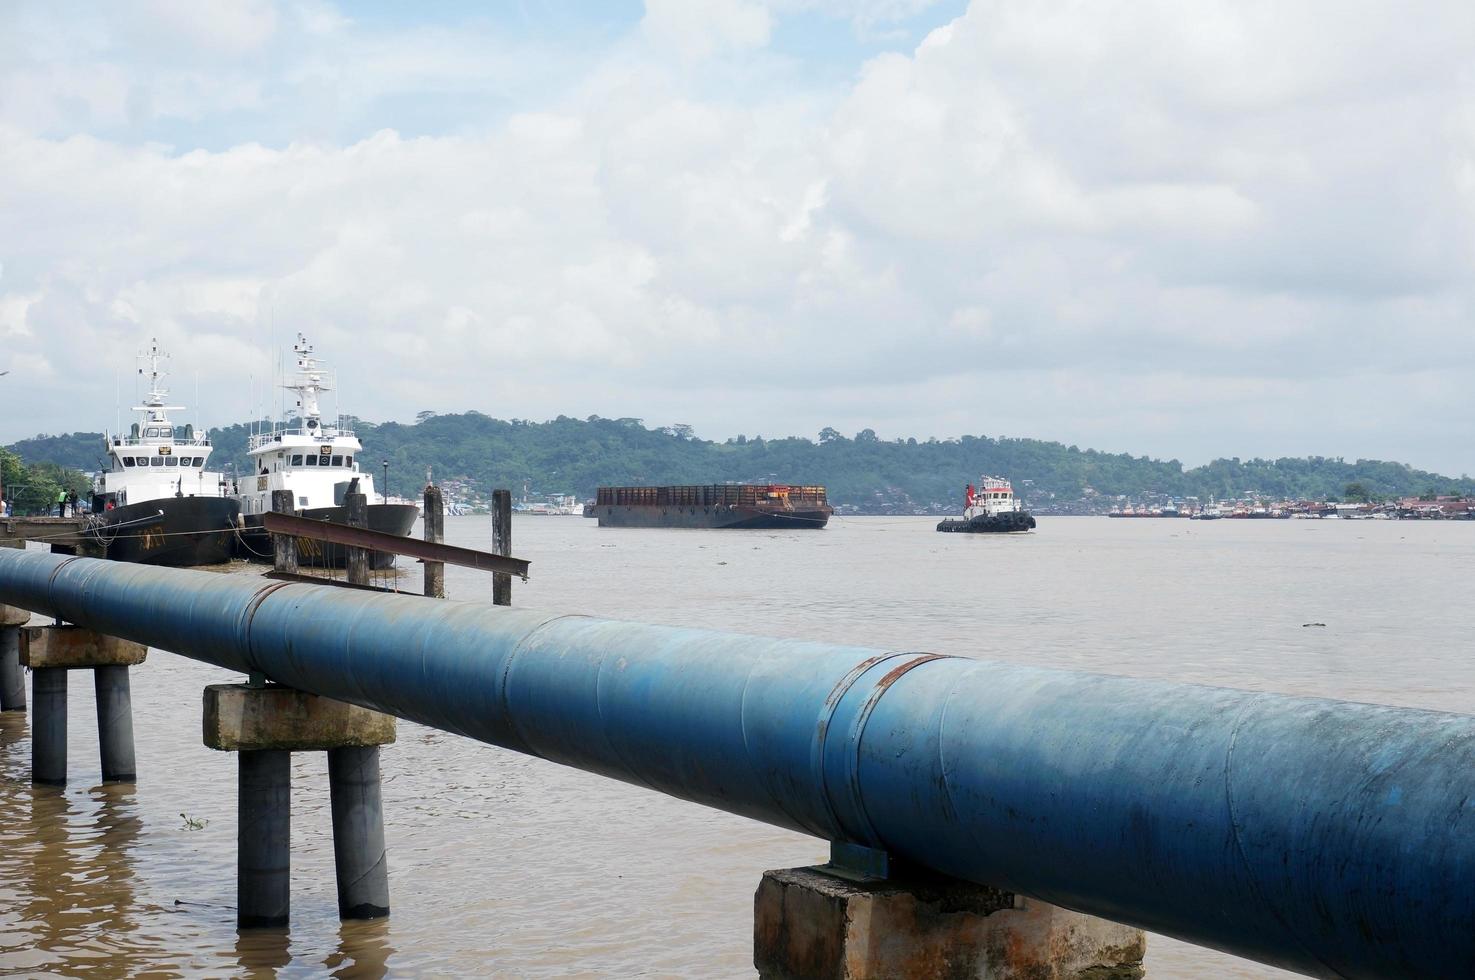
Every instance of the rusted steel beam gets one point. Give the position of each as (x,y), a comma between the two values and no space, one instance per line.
(360,537)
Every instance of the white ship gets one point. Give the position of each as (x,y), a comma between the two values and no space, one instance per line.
(318,462)
(156,502)
(991,508)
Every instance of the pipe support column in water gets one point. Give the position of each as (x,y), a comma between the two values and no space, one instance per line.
(51,651)
(358,832)
(49,726)
(115,724)
(12,677)
(264,838)
(261,723)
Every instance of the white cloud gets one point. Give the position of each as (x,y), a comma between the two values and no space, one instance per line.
(1141,226)
(699,30)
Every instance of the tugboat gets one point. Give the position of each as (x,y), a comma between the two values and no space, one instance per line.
(319,462)
(990,509)
(156,503)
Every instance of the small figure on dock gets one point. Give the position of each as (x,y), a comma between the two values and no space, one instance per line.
(61,503)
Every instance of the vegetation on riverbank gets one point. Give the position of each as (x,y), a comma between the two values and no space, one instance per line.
(861,471)
(31,486)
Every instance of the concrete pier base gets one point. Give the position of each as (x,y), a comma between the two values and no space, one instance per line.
(263,839)
(809,923)
(49,726)
(265,725)
(51,651)
(12,677)
(115,724)
(75,648)
(241,718)
(358,833)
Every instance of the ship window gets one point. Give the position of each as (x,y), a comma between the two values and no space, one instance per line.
(301,501)
(297,459)
(157,460)
(199,460)
(337,460)
(312,461)
(127,460)
(347,460)
(171,460)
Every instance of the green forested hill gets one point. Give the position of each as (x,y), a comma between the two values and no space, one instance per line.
(577,455)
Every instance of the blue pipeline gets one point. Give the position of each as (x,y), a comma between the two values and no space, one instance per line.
(1330,838)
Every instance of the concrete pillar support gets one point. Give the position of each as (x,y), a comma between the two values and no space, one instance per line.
(265,725)
(263,838)
(12,677)
(115,724)
(49,726)
(51,651)
(810,922)
(358,832)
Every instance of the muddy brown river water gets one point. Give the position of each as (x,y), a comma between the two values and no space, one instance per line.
(501,865)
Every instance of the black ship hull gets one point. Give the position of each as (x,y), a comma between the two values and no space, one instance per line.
(395,519)
(176,531)
(1011,523)
(710,516)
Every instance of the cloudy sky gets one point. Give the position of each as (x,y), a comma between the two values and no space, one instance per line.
(1185,229)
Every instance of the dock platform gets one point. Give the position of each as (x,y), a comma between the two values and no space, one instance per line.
(64,534)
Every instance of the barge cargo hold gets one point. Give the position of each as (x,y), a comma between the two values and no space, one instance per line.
(773,506)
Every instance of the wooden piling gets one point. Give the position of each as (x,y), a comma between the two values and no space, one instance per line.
(356,562)
(284,546)
(435,532)
(502,544)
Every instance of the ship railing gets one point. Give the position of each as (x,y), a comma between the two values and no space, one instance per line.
(160,441)
(321,433)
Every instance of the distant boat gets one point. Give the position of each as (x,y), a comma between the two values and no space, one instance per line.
(991,508)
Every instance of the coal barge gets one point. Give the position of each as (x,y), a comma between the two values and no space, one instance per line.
(750,506)
(992,508)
